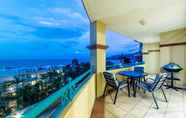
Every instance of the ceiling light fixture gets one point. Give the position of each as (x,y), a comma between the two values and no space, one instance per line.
(142,22)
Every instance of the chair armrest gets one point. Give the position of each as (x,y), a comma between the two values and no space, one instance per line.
(120,77)
(150,77)
(146,74)
(122,84)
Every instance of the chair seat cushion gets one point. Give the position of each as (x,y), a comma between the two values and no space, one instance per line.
(149,81)
(146,86)
(122,83)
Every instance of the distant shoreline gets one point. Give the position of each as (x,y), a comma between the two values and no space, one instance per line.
(11,67)
(32,62)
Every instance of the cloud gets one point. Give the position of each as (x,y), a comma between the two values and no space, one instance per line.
(85,36)
(77,52)
(70,14)
(51,22)
(17,20)
(9,17)
(119,44)
(48,23)
(57,33)
(47,28)
(79,2)
(68,44)
(58,30)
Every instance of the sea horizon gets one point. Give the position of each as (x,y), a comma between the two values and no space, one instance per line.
(4,63)
(9,67)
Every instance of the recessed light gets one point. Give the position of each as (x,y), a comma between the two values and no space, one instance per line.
(142,22)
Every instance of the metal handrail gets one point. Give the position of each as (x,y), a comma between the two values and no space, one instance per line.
(38,108)
(118,66)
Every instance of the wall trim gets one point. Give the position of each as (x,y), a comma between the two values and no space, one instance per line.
(172,44)
(97,46)
(145,53)
(149,51)
(154,50)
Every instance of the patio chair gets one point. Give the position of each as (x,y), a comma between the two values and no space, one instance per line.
(152,85)
(111,81)
(139,68)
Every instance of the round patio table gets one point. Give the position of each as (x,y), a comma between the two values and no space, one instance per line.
(133,76)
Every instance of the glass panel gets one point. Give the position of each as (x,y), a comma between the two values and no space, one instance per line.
(123,51)
(43,49)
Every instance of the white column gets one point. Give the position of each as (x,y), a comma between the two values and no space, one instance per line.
(97,53)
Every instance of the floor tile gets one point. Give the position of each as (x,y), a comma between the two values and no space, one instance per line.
(174,114)
(143,106)
(154,115)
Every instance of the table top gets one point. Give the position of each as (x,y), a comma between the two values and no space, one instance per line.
(133,74)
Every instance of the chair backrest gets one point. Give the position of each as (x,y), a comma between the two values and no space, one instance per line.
(110,79)
(159,81)
(139,68)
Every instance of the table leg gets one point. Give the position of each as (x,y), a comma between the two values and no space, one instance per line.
(128,86)
(139,80)
(134,87)
(172,80)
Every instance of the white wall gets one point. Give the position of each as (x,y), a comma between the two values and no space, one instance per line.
(178,56)
(165,54)
(152,58)
(173,49)
(154,62)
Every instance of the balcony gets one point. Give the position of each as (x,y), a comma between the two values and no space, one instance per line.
(160,26)
(142,106)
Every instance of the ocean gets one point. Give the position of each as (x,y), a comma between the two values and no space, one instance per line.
(31,62)
(9,67)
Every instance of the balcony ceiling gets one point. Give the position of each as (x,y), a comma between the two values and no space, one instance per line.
(140,19)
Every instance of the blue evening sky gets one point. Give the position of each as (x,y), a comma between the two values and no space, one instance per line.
(49,29)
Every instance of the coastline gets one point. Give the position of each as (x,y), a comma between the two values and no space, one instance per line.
(9,68)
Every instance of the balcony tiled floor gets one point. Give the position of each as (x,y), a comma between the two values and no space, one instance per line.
(142,106)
